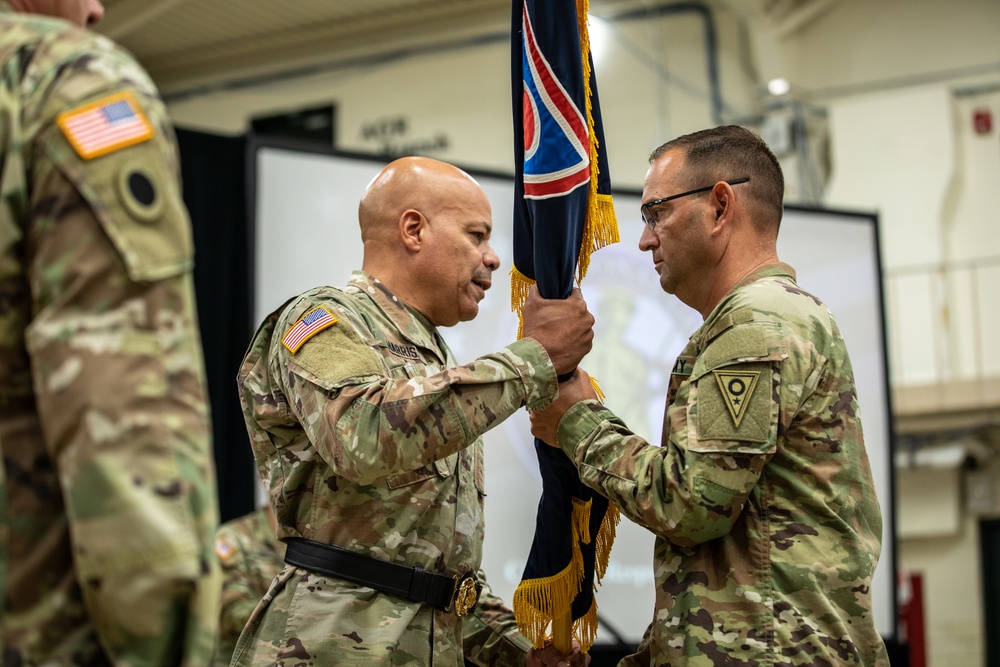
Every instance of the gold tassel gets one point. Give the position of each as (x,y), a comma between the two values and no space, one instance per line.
(597,388)
(520,285)
(605,540)
(600,230)
(601,226)
(585,627)
(537,601)
(581,520)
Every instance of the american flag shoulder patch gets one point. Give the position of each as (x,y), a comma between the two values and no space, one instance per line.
(106,125)
(309,325)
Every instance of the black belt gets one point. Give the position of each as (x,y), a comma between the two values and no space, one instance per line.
(413,583)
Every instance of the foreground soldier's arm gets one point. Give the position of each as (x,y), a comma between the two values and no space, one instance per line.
(687,495)
(117,367)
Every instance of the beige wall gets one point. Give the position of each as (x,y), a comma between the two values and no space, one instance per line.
(947,556)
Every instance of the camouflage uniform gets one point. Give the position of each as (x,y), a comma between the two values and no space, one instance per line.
(761,497)
(251,558)
(103,414)
(367,438)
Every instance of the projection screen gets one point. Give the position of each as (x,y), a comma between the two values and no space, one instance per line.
(306,234)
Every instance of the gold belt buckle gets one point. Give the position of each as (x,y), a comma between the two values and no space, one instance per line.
(465,595)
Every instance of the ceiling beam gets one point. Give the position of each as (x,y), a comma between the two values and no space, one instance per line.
(801,16)
(339,42)
(128,15)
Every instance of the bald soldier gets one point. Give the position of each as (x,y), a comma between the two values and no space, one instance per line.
(103,413)
(368,433)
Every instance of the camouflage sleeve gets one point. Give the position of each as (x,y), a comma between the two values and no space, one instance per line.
(119,379)
(719,432)
(369,425)
(490,634)
(239,594)
(682,496)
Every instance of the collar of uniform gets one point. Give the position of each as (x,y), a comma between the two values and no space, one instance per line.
(717,322)
(412,325)
(770,270)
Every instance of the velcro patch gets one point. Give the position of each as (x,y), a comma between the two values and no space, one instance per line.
(106,125)
(737,388)
(309,325)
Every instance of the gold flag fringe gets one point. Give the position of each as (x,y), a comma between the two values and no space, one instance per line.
(601,226)
(585,627)
(605,539)
(520,285)
(597,388)
(581,521)
(537,601)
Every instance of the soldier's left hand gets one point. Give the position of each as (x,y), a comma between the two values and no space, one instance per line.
(551,657)
(545,423)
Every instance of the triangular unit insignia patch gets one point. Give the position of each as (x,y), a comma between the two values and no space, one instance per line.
(737,388)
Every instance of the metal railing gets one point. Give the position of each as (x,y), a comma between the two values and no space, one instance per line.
(951,309)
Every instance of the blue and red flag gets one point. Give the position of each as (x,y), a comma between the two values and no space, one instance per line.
(562,213)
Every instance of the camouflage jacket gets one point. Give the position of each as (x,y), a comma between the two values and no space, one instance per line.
(251,558)
(368,437)
(761,497)
(103,416)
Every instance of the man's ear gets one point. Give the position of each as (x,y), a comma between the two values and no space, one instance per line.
(723,202)
(412,226)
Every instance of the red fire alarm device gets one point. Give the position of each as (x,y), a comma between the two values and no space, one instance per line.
(982,121)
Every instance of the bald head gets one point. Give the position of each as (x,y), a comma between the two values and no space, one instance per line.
(418,183)
(426,229)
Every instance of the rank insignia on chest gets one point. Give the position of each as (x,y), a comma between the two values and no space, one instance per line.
(737,387)
(309,325)
(105,126)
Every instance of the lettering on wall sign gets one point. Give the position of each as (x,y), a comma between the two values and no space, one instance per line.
(391,136)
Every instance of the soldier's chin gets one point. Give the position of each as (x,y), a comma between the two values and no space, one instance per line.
(469,313)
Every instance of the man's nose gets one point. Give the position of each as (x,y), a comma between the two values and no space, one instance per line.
(491,259)
(648,238)
(95,12)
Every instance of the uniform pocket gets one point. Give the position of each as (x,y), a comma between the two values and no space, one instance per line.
(427,472)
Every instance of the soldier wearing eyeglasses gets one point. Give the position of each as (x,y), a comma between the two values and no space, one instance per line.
(760,495)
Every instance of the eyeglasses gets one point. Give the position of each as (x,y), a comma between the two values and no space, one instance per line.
(651,218)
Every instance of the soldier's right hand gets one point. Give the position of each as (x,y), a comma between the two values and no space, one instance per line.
(564,327)
(550,657)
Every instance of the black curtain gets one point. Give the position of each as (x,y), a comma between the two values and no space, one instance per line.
(213,170)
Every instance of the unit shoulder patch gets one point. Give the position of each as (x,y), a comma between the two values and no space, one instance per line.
(105,126)
(309,325)
(737,387)
(225,549)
